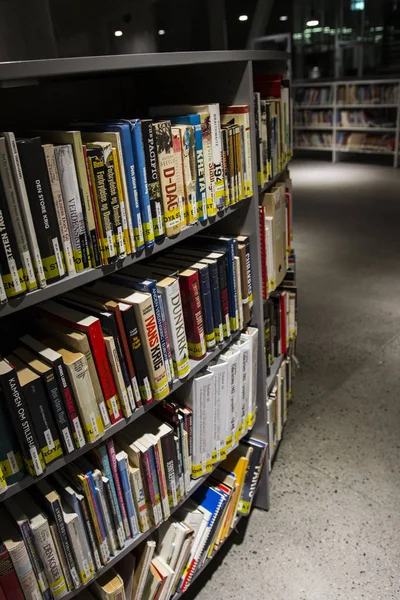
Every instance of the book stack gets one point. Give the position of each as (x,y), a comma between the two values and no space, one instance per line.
(362,118)
(277,405)
(314,118)
(306,139)
(314,95)
(272,122)
(367,94)
(72,200)
(366,142)
(280,324)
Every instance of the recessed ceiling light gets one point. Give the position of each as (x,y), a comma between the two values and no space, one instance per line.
(312,23)
(161,32)
(118,33)
(243,17)
(283,18)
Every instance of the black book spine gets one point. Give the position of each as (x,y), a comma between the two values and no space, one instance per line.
(137,354)
(43,422)
(153,178)
(65,388)
(55,399)
(12,273)
(216,301)
(115,205)
(22,422)
(109,326)
(277,324)
(44,216)
(171,467)
(206,304)
(11,462)
(257,132)
(267,344)
(246,242)
(62,532)
(222,263)
(272,334)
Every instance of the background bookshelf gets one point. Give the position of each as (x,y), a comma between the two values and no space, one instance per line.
(62,90)
(360,117)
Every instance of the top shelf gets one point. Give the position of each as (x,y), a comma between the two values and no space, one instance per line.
(61,67)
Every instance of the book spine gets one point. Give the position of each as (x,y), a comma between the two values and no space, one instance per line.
(187,461)
(216,302)
(11,463)
(125,242)
(35,560)
(153,179)
(208,164)
(8,577)
(110,532)
(10,263)
(170,370)
(115,204)
(80,552)
(142,182)
(171,467)
(225,157)
(127,356)
(42,421)
(139,497)
(59,206)
(25,208)
(176,328)
(98,171)
(95,234)
(257,124)
(180,466)
(3,295)
(60,416)
(61,556)
(118,489)
(92,500)
(129,383)
(206,303)
(167,169)
(90,532)
(137,354)
(69,403)
(264,272)
(156,510)
(249,275)
(223,288)
(24,571)
(118,377)
(177,146)
(115,513)
(201,186)
(51,563)
(216,144)
(16,218)
(60,524)
(221,418)
(122,463)
(23,426)
(191,305)
(43,211)
(189,172)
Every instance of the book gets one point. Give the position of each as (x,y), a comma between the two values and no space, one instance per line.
(72,428)
(109,586)
(61,556)
(79,545)
(253,473)
(15,546)
(153,178)
(17,223)
(11,463)
(100,489)
(34,393)
(12,274)
(23,202)
(8,578)
(189,286)
(139,579)
(222,415)
(118,487)
(139,497)
(43,211)
(21,419)
(73,205)
(188,156)
(58,199)
(177,146)
(232,357)
(122,464)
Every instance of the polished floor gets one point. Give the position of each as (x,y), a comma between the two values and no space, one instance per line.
(334,526)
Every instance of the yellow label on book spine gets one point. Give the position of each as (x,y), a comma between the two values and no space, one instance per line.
(210,340)
(211,208)
(148,232)
(209,465)
(14,283)
(222,453)
(3,483)
(77,255)
(197,471)
(58,587)
(172,218)
(229,442)
(52,451)
(12,464)
(162,389)
(196,350)
(182,367)
(214,457)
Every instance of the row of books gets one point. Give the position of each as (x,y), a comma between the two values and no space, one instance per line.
(98,353)
(280,323)
(318,95)
(277,404)
(57,536)
(311,118)
(305,139)
(366,142)
(367,94)
(276,233)
(272,126)
(362,118)
(70,200)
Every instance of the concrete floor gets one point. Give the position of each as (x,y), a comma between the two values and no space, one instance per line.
(333,529)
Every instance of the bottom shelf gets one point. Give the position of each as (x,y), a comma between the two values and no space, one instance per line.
(314,148)
(360,151)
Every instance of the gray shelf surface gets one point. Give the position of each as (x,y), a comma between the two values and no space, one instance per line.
(73,281)
(196,366)
(314,127)
(61,67)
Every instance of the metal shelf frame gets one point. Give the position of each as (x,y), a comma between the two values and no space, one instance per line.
(337,151)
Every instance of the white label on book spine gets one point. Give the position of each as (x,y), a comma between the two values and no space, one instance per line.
(79,432)
(147,388)
(74,576)
(136,391)
(123,216)
(121,536)
(173,490)
(49,439)
(104,552)
(130,396)
(203,345)
(3,295)
(26,259)
(165,505)
(181,209)
(36,462)
(221,332)
(41,581)
(159,217)
(104,414)
(114,407)
(125,398)
(69,257)
(12,461)
(93,424)
(193,205)
(97,558)
(228,327)
(67,440)
(57,254)
(121,247)
(110,242)
(133,526)
(86,569)
(14,275)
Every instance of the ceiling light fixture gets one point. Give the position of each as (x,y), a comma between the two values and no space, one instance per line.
(161,32)
(283,18)
(243,18)
(312,23)
(118,33)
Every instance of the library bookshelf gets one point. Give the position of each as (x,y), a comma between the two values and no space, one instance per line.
(63,90)
(339,98)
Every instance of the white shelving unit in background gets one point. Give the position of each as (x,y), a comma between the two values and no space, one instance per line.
(335,106)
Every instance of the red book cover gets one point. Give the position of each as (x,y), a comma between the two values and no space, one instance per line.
(118,488)
(282,306)
(8,578)
(261,210)
(91,326)
(268,85)
(189,286)
(2,596)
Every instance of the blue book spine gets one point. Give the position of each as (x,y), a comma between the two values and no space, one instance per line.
(96,502)
(122,463)
(129,167)
(206,303)
(216,302)
(141,179)
(36,561)
(105,463)
(154,477)
(150,286)
(201,186)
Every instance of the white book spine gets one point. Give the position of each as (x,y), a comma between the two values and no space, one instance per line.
(59,206)
(117,373)
(208,163)
(245,348)
(247,150)
(233,357)
(72,201)
(217,153)
(252,335)
(269,225)
(139,498)
(75,535)
(111,534)
(202,393)
(23,568)
(51,562)
(16,216)
(221,406)
(176,329)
